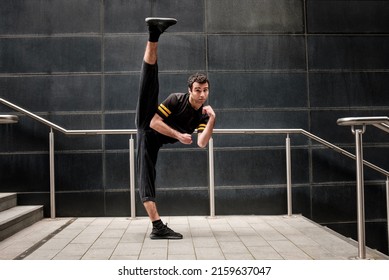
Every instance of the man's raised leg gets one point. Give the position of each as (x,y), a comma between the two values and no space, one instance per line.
(145,110)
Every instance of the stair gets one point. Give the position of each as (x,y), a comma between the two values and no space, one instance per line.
(14,218)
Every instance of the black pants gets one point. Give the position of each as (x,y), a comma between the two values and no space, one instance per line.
(148,142)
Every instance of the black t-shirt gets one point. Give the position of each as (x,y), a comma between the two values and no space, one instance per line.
(177,113)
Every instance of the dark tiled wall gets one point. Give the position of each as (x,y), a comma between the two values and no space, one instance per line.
(272,64)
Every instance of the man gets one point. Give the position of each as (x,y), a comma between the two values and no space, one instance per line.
(175,119)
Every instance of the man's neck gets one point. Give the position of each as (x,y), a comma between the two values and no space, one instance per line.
(193,104)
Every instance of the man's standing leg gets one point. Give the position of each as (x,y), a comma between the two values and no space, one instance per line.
(146,108)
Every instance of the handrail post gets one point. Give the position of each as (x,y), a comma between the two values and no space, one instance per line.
(132,178)
(387,208)
(289,176)
(52,174)
(360,192)
(211,179)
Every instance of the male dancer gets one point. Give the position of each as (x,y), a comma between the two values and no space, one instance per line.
(175,119)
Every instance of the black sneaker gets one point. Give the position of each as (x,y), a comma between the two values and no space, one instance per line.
(160,23)
(165,233)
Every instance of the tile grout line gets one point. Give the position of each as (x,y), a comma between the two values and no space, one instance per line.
(264,238)
(233,229)
(91,245)
(143,242)
(36,246)
(121,238)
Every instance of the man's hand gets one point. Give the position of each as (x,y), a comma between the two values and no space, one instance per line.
(185,138)
(209,111)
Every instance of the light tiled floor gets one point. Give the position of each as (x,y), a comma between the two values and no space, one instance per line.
(223,237)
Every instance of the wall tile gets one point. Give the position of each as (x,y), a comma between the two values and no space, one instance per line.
(79,172)
(117,204)
(257,90)
(24,172)
(181,203)
(48,55)
(124,53)
(301,200)
(362,89)
(249,201)
(377,236)
(376,155)
(182,169)
(182,53)
(117,171)
(123,16)
(118,121)
(375,201)
(173,82)
(262,167)
(333,203)
(246,119)
(26,135)
(347,16)
(52,93)
(343,203)
(262,119)
(330,166)
(80,204)
(121,92)
(49,17)
(189,14)
(263,16)
(348,52)
(251,52)
(176,52)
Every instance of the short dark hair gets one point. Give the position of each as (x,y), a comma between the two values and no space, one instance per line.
(200,78)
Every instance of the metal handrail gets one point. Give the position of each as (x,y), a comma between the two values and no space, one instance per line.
(63,130)
(7,119)
(307,134)
(215,131)
(358,128)
(210,154)
(362,120)
(381,122)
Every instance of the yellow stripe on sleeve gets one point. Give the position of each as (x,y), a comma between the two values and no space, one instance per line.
(201,127)
(165,109)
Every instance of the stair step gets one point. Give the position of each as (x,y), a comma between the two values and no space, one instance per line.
(7,201)
(17,218)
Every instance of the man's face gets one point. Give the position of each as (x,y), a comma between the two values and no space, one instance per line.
(199,94)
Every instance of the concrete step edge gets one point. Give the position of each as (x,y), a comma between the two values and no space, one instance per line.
(16,214)
(7,201)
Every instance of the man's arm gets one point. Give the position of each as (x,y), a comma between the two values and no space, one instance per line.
(203,137)
(159,125)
